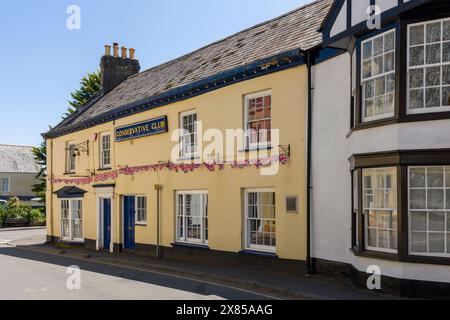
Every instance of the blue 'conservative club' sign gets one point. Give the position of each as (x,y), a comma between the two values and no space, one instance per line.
(142,129)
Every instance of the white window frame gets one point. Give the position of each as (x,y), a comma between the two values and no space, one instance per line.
(247,98)
(70,238)
(366,216)
(248,245)
(136,208)
(184,135)
(8,190)
(424,67)
(103,164)
(204,216)
(372,78)
(446,233)
(70,160)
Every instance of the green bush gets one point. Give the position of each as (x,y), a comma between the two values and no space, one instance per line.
(3,213)
(15,209)
(35,216)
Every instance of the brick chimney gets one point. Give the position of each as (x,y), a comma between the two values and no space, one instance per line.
(116,69)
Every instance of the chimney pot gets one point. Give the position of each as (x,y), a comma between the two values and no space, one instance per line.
(115,70)
(124,52)
(132,52)
(116,49)
(107,50)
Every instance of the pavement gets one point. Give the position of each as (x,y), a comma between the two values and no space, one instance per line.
(167,279)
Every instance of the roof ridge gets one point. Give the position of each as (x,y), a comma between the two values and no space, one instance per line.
(15,145)
(227,37)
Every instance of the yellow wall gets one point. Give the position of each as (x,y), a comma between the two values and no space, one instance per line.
(222,109)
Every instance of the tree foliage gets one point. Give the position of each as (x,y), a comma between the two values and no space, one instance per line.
(90,84)
(40,156)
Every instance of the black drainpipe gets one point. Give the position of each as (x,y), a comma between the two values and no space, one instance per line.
(308,167)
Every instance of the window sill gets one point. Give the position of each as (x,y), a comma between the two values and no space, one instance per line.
(193,158)
(104,169)
(375,254)
(74,243)
(142,224)
(252,149)
(69,173)
(190,245)
(248,252)
(395,257)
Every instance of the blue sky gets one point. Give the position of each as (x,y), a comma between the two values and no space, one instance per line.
(41,61)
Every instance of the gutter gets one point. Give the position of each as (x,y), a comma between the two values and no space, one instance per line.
(309,264)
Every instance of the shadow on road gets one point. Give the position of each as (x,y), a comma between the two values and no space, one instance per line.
(157,279)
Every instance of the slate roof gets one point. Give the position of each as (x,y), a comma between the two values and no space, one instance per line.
(17,159)
(298,29)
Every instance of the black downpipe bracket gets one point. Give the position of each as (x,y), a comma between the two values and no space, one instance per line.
(308,167)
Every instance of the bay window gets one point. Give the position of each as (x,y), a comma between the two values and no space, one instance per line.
(72,220)
(405,211)
(378,76)
(380,209)
(429,211)
(260,219)
(192,217)
(429,66)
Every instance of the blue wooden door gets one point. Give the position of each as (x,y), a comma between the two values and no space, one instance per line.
(128,222)
(106,223)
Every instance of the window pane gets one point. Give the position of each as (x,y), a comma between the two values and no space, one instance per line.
(446,74)
(446,52)
(419,221)
(389,62)
(367,50)
(419,242)
(433,53)
(393,239)
(389,42)
(437,242)
(377,46)
(433,32)
(369,89)
(416,78)
(416,35)
(416,99)
(416,56)
(433,76)
(432,97)
(390,103)
(417,199)
(446,28)
(367,69)
(446,96)
(436,221)
(390,83)
(436,199)
(372,238)
(417,177)
(377,66)
(435,177)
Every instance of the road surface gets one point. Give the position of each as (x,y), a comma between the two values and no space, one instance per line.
(30,275)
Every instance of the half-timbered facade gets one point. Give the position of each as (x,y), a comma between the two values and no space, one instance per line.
(380,143)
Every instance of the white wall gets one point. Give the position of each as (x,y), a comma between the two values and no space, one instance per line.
(332,146)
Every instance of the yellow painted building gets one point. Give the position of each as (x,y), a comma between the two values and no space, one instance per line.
(117,189)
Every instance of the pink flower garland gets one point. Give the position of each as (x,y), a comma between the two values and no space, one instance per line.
(186,168)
